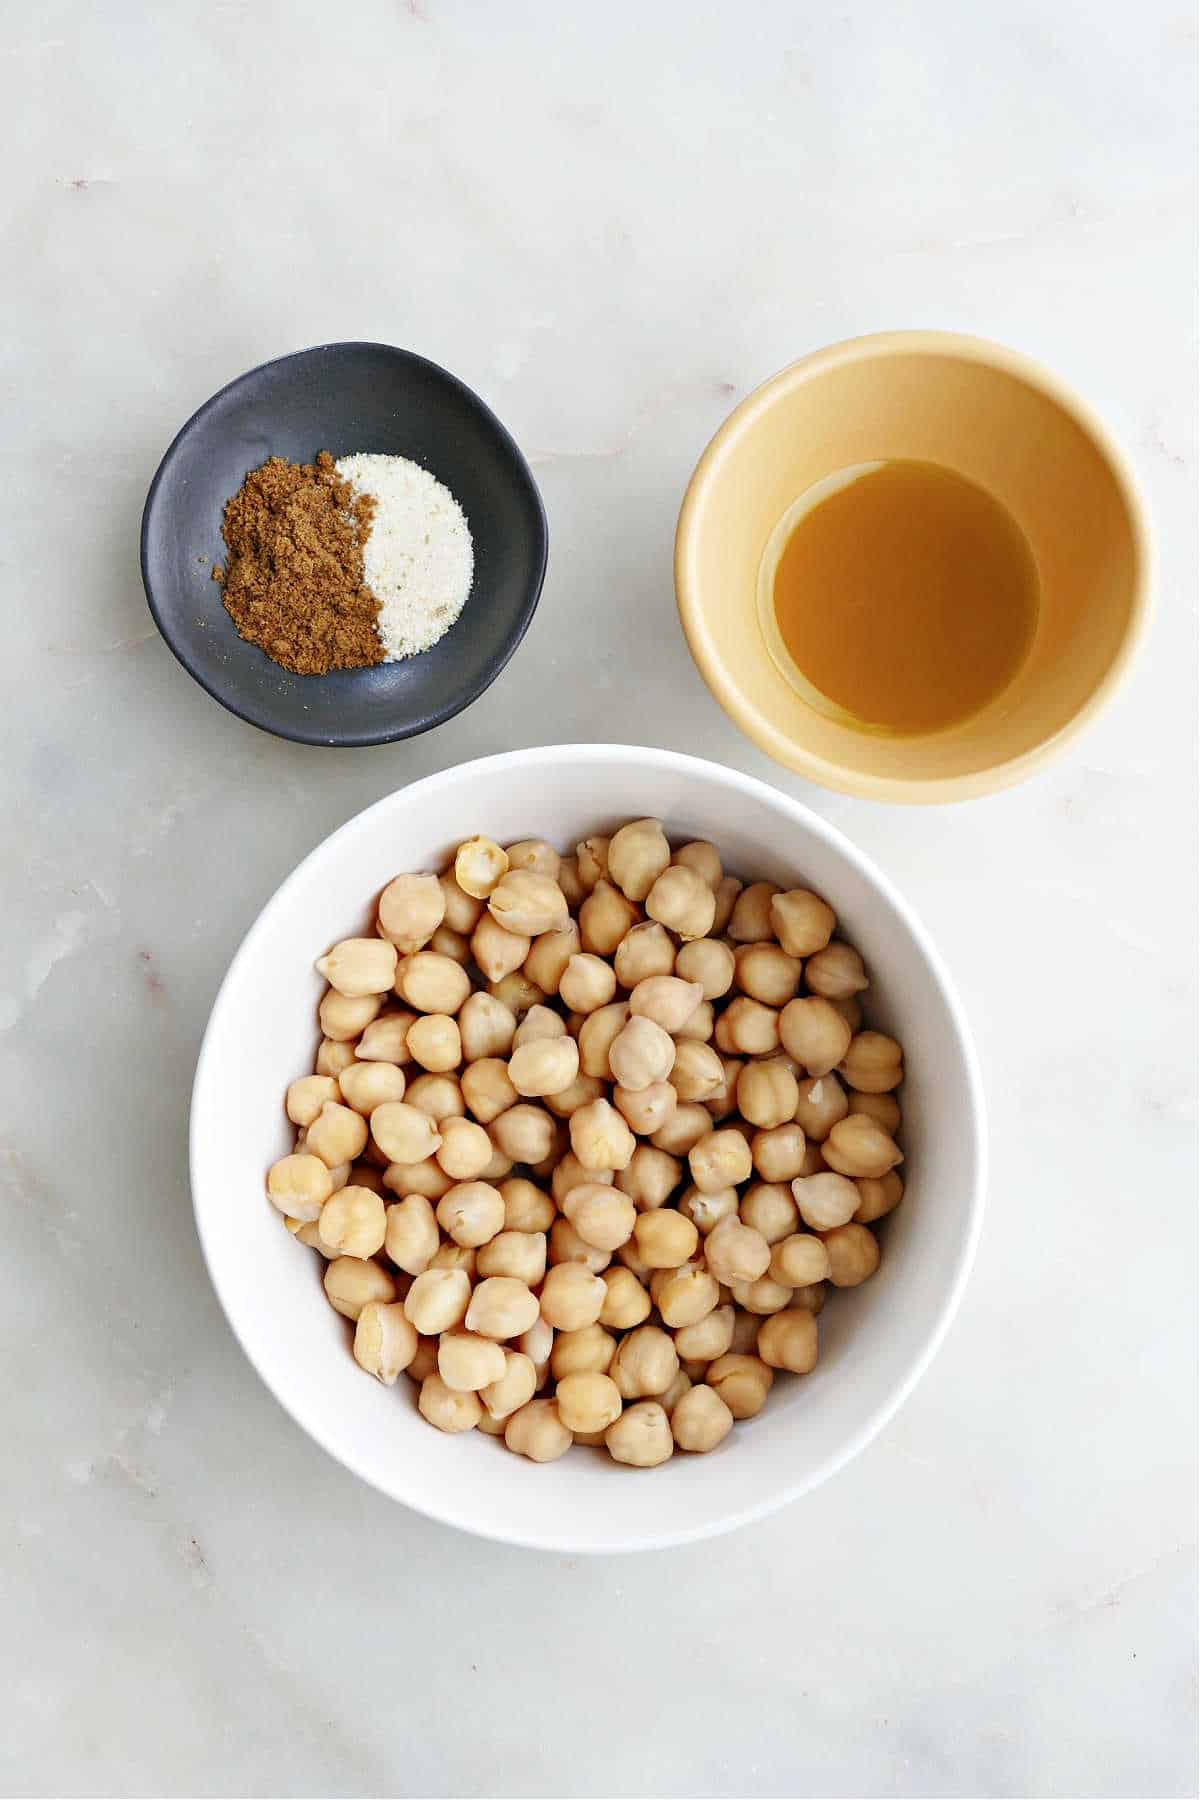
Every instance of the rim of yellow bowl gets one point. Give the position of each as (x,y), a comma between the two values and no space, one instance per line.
(748,717)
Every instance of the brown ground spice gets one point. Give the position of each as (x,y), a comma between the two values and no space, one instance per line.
(293,580)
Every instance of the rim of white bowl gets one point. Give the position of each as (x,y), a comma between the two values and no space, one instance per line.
(976,1124)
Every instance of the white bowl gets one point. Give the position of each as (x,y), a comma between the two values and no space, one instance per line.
(875,1340)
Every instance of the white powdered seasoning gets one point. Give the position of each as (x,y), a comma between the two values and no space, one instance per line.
(418,558)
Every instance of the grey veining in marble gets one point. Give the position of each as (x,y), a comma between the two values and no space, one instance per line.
(610,221)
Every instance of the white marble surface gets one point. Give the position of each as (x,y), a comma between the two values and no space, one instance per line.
(611,221)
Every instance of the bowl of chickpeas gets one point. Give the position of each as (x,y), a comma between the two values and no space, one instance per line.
(581,1119)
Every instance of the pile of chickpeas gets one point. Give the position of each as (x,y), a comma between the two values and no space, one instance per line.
(589,1139)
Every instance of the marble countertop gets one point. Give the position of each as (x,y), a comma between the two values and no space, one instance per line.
(611,222)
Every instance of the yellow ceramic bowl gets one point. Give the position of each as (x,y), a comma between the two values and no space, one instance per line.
(991,415)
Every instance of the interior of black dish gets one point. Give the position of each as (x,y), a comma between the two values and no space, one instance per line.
(344,398)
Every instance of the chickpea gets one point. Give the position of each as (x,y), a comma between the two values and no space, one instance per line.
(597,1035)
(684,1295)
(749,1027)
(701,1025)
(535,1430)
(641,1054)
(627,1302)
(850,1010)
(700,1420)
(811,1298)
(767,973)
(467,1363)
(628,1256)
(883,1108)
(707,1210)
(722,1102)
(519,1254)
(645,951)
(572,1297)
(665,1239)
(299,1185)
(488,1426)
(455,1256)
(684,1127)
(600,1138)
(526,1207)
(645,1363)
(878,1197)
(769,1208)
(587,984)
(351,1283)
(580,1092)
(762,1296)
(453,944)
(444,1407)
(814,1034)
(709,964)
(778,1153)
(502,1307)
(479,864)
(342,1018)
(537,1344)
(570,1173)
(570,883)
(802,922)
(566,1245)
(535,854)
(666,1001)
(720,1160)
(736,1252)
(433,984)
(707,1338)
(857,1146)
(437,1300)
(338,1135)
(462,910)
(411,1234)
(434,1043)
(497,951)
(546,1066)
(439,1097)
(836,972)
(603,1217)
(306,1097)
(789,1341)
(825,1200)
(704,858)
(353,1222)
(750,920)
(637,855)
(525,1133)
(591,858)
(697,1072)
(384,1341)
(404,1132)
(683,901)
(874,1063)
(333,1057)
(487,1027)
(359,966)
(650,1177)
(582,1352)
(799,1261)
(511,1390)
(588,1401)
(641,1437)
(410,910)
(427,1178)
(528,904)
(742,1382)
(727,898)
(363,1175)
(646,1110)
(604,918)
(367,1085)
(471,1212)
(819,1108)
(425,1361)
(386,1039)
(550,954)
(465,1150)
(486,1088)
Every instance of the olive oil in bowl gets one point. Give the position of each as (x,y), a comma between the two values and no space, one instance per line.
(898,597)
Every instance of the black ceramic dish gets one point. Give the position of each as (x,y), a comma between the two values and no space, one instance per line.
(343,398)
